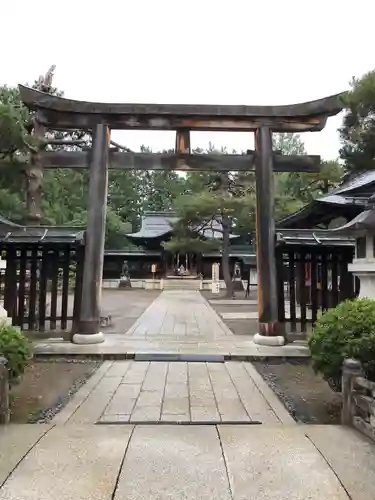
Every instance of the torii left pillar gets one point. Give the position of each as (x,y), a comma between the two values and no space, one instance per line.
(265,241)
(88,326)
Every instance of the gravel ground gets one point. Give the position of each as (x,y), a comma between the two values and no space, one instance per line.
(308,397)
(124,306)
(46,387)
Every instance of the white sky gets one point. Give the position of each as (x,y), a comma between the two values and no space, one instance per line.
(196,51)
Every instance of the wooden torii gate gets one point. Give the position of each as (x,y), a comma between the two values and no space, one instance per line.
(99,118)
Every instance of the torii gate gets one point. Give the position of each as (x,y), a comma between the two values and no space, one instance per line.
(66,114)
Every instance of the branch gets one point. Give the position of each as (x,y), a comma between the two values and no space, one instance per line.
(117,145)
(204,225)
(63,142)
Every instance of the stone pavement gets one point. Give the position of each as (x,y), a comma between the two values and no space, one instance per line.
(180,323)
(159,462)
(181,430)
(143,392)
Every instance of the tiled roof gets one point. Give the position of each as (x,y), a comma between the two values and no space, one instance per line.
(157,224)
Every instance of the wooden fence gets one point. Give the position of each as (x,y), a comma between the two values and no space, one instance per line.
(41,285)
(311,280)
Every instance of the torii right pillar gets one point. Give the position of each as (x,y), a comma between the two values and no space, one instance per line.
(269,331)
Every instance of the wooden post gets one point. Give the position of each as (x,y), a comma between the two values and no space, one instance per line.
(265,240)
(4,392)
(89,323)
(182,143)
(351,368)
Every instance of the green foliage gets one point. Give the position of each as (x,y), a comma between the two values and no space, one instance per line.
(295,189)
(16,348)
(358,130)
(346,331)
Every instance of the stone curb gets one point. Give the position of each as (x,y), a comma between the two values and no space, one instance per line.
(176,422)
(168,357)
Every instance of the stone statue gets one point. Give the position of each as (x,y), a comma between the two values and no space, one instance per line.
(125,281)
(44,82)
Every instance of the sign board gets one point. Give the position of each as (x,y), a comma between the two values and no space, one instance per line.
(215,271)
(153,268)
(215,287)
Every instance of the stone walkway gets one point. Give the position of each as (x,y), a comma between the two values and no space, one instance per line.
(197,462)
(181,430)
(180,323)
(142,392)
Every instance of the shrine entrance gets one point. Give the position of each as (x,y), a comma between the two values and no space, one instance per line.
(99,118)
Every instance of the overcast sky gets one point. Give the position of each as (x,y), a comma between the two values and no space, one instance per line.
(193,52)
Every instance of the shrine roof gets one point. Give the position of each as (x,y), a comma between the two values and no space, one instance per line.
(314,237)
(158,224)
(352,194)
(7,222)
(42,235)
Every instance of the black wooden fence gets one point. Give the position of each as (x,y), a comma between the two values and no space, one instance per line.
(41,285)
(311,280)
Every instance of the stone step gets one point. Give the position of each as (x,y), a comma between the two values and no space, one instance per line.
(175,284)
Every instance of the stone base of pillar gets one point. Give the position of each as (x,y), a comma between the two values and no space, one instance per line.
(88,338)
(271,340)
(4,320)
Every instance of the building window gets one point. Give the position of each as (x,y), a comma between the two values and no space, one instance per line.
(361,247)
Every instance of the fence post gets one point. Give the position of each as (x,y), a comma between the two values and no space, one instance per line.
(4,392)
(351,368)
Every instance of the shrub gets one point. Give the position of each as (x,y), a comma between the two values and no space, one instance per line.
(346,331)
(16,348)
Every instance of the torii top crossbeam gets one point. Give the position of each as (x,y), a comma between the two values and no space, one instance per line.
(58,112)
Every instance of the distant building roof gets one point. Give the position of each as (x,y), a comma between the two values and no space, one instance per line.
(7,222)
(155,224)
(158,224)
(42,235)
(349,199)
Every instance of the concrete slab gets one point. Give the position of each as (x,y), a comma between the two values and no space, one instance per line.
(15,442)
(78,399)
(239,315)
(235,302)
(176,462)
(238,346)
(350,454)
(69,463)
(266,463)
(94,405)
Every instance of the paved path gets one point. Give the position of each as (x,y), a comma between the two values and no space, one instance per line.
(142,392)
(181,430)
(180,323)
(220,462)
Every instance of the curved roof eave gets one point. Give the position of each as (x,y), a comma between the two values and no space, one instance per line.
(327,106)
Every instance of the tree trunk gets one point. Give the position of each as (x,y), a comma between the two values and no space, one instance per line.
(225,257)
(34,179)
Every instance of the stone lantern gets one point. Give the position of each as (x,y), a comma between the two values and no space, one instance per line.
(362,228)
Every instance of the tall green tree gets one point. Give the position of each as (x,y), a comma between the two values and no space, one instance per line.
(295,189)
(214,208)
(358,130)
(64,200)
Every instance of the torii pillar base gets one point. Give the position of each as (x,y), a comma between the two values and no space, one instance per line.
(84,339)
(274,340)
